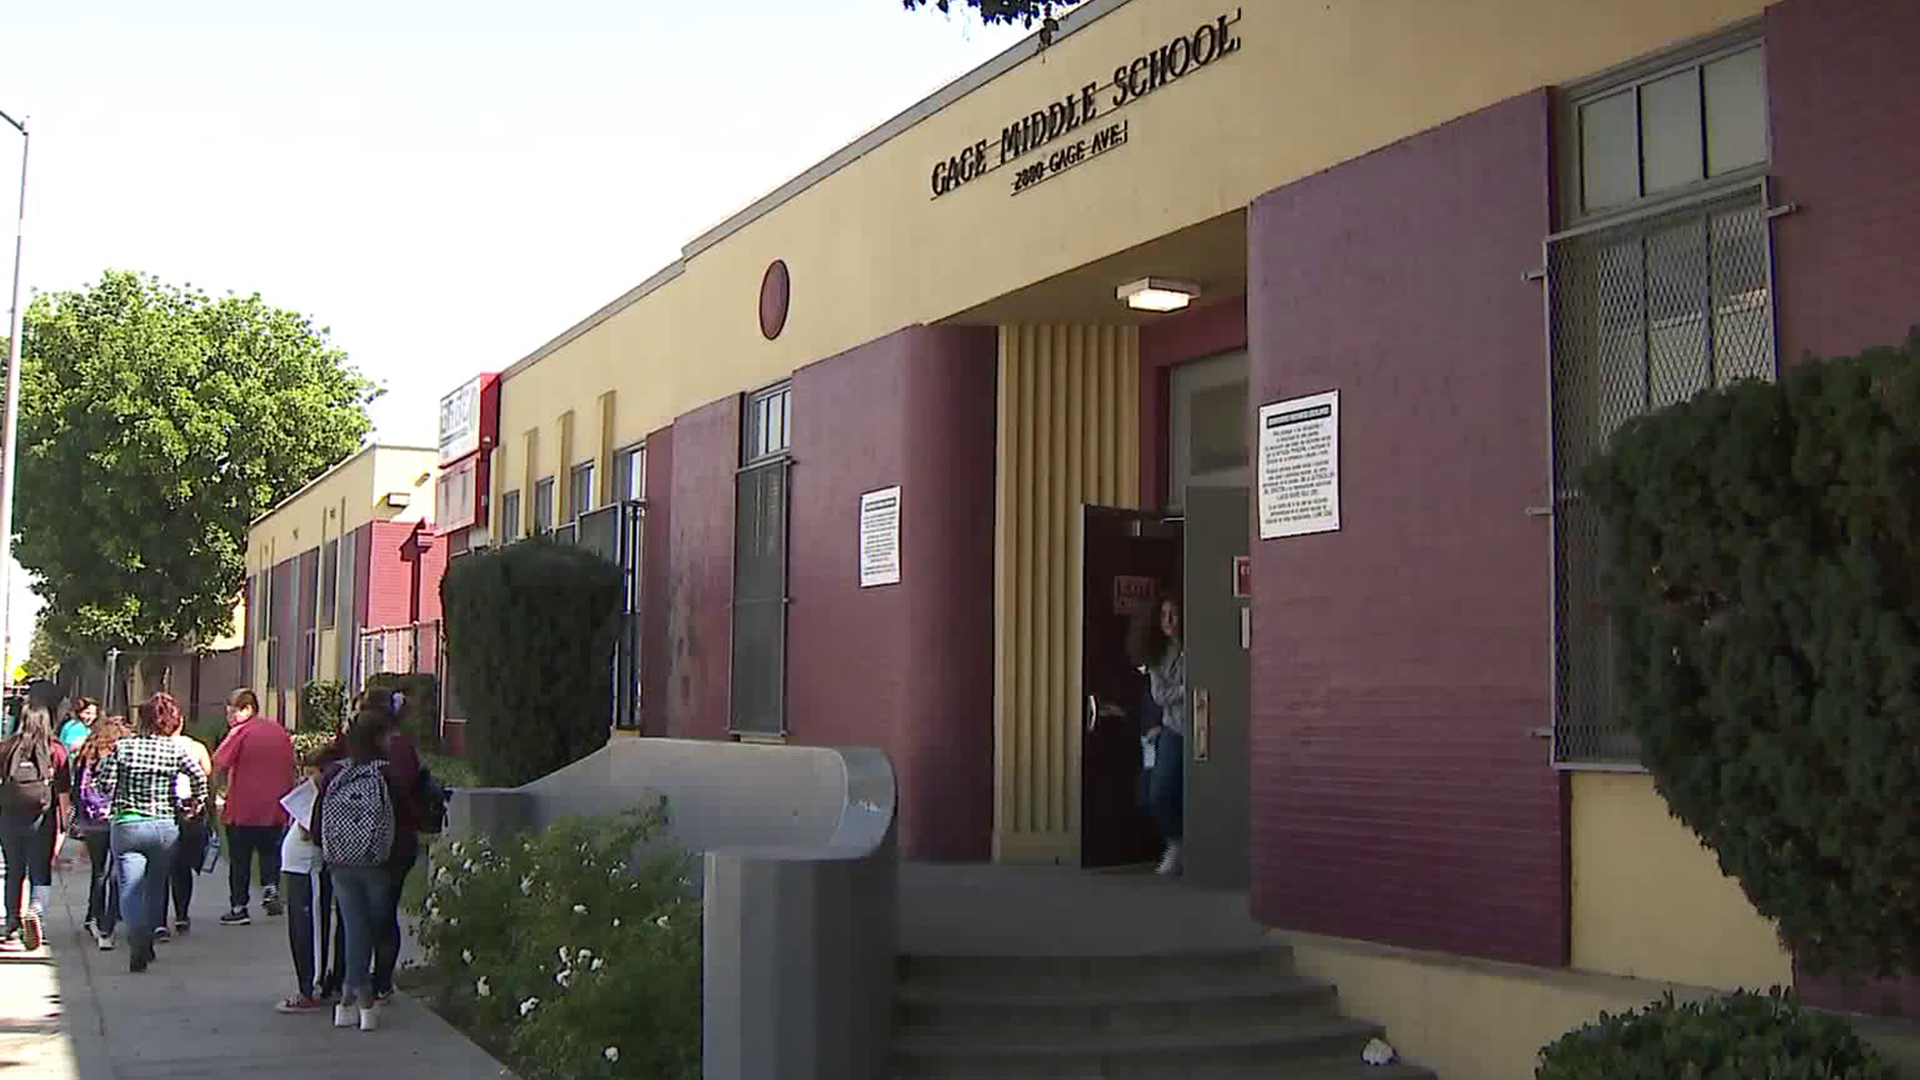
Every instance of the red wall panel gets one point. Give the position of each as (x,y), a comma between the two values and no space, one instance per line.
(706,454)
(1400,664)
(1164,345)
(656,583)
(907,668)
(1842,83)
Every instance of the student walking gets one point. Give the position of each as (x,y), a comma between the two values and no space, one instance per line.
(141,775)
(196,836)
(86,713)
(257,761)
(34,787)
(299,874)
(93,824)
(356,814)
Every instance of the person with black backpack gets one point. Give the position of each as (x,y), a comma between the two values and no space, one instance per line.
(34,793)
(356,828)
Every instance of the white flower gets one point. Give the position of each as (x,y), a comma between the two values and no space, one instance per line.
(526,885)
(527,1006)
(443,876)
(661,922)
(616,924)
(455,922)
(579,909)
(466,957)
(598,963)
(482,988)
(585,955)
(565,956)
(467,866)
(455,849)
(564,979)
(612,1054)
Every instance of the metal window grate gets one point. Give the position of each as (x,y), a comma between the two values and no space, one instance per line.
(1642,313)
(760,600)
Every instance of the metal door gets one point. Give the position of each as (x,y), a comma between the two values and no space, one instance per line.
(1219,692)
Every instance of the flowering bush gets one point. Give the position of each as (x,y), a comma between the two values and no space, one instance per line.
(567,953)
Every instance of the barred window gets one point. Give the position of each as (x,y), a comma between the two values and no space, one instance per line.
(543,507)
(580,491)
(762,501)
(509,526)
(630,474)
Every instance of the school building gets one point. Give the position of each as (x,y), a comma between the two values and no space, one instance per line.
(1312,313)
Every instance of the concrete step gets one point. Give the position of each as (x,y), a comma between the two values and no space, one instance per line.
(1271,1047)
(1046,972)
(1236,1001)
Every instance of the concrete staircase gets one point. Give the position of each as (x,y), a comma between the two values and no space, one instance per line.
(1232,1013)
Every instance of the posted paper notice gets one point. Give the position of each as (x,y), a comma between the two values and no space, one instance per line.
(880,538)
(1299,466)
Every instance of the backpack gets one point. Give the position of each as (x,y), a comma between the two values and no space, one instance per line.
(434,796)
(26,787)
(91,805)
(356,817)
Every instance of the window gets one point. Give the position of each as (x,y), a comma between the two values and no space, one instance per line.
(630,474)
(580,491)
(543,507)
(309,657)
(761,503)
(329,583)
(768,427)
(509,517)
(1668,130)
(265,613)
(1646,309)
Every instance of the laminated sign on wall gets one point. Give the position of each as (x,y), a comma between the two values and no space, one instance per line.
(1299,466)
(880,538)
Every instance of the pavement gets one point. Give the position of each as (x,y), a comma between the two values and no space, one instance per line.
(204,1009)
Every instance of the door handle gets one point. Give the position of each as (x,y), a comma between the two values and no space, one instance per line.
(1202,724)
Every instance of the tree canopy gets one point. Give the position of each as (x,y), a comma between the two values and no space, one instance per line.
(156,422)
(1025,13)
(1763,542)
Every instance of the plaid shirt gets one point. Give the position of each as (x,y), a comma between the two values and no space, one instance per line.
(138,774)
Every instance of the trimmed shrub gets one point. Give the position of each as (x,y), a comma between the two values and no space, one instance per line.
(1744,1036)
(567,954)
(323,705)
(530,635)
(1764,564)
(421,716)
(307,744)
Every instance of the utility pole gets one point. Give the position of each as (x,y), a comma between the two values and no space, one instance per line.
(10,435)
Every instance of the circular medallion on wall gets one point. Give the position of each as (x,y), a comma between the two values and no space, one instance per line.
(775,292)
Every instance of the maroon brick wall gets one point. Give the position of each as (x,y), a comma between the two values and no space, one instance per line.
(433,566)
(906,668)
(706,454)
(656,583)
(1164,345)
(1400,663)
(1842,84)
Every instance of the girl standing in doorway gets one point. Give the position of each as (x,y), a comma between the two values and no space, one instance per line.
(1155,647)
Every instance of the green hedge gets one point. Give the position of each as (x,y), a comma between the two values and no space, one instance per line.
(1744,1036)
(1764,577)
(421,716)
(323,706)
(530,635)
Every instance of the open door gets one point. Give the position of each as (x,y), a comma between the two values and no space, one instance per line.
(1219,802)
(1126,557)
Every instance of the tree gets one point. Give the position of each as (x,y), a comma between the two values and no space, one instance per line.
(1763,546)
(48,649)
(1026,13)
(156,423)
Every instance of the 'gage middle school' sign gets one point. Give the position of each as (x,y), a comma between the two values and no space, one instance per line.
(1133,80)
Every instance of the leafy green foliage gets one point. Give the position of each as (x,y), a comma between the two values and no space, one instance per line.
(323,707)
(420,717)
(530,635)
(555,949)
(1745,1036)
(47,651)
(1763,546)
(155,423)
(307,745)
(1022,12)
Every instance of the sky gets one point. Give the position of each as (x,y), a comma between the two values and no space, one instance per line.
(445,186)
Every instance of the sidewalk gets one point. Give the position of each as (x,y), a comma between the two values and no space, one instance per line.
(204,1010)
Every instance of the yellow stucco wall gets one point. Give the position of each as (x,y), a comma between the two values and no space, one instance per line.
(870,251)
(1650,902)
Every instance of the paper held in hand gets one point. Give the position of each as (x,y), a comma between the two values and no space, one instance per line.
(298,803)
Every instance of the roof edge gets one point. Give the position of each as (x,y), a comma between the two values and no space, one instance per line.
(334,468)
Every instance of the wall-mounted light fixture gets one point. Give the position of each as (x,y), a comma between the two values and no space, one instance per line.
(399,499)
(1158,294)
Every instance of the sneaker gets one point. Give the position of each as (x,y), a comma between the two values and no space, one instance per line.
(370,1018)
(105,941)
(346,1016)
(237,917)
(300,1004)
(30,931)
(183,925)
(1170,862)
(162,935)
(91,926)
(270,900)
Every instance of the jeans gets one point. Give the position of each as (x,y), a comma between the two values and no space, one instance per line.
(333,939)
(143,852)
(386,954)
(1163,787)
(243,843)
(103,895)
(186,863)
(28,846)
(298,889)
(363,895)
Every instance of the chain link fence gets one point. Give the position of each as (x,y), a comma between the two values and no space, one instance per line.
(1642,313)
